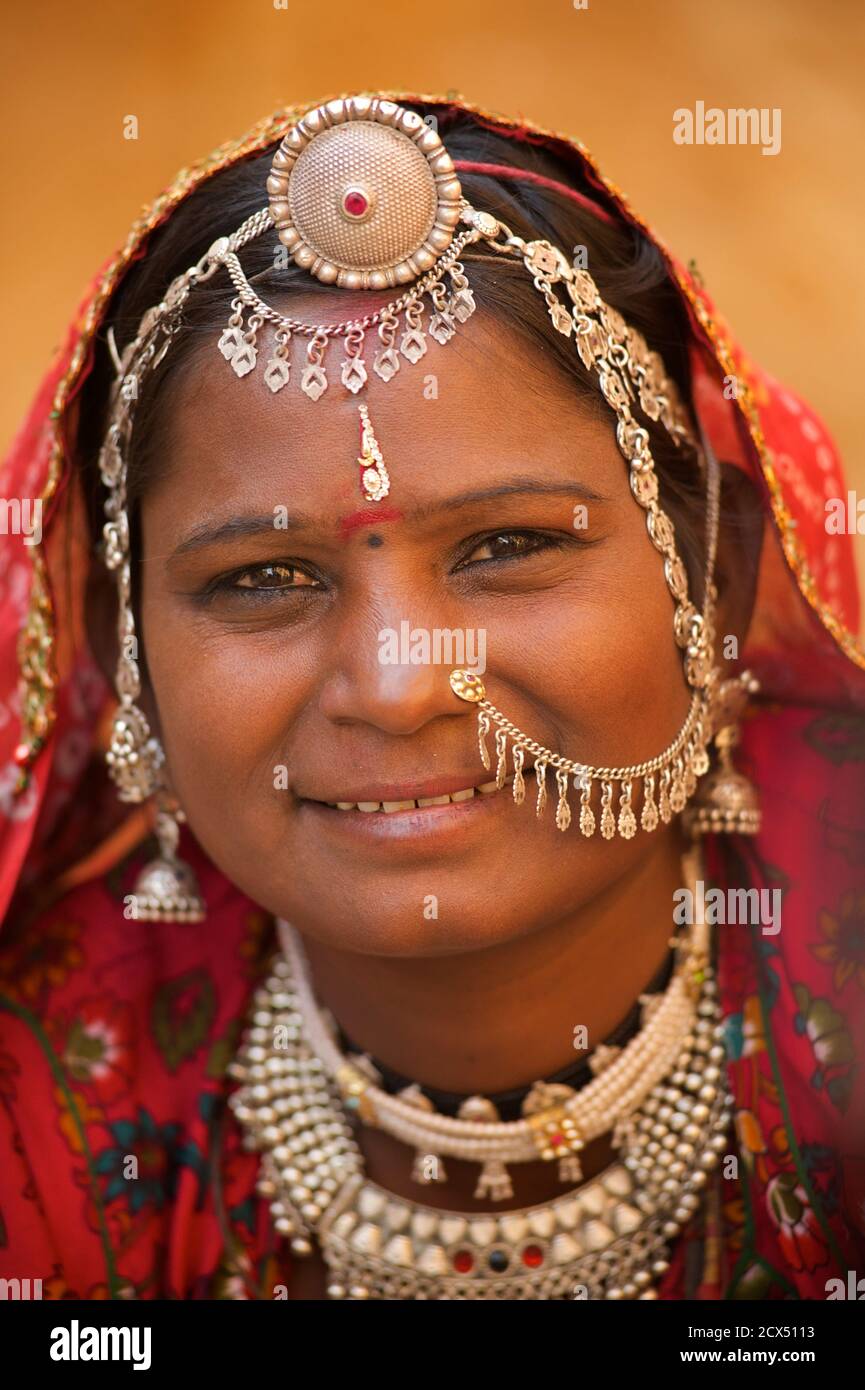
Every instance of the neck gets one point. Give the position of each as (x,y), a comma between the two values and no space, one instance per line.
(506,1016)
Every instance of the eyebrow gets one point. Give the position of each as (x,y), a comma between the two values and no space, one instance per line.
(515,487)
(237,528)
(240,527)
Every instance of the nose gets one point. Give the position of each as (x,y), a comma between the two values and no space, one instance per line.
(395,677)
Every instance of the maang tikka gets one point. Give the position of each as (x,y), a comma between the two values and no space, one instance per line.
(364,195)
(374,478)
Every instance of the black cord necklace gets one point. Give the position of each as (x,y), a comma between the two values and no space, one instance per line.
(509,1103)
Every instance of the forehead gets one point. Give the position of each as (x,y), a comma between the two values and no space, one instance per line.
(487,399)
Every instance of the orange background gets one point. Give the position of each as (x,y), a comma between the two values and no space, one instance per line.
(777,239)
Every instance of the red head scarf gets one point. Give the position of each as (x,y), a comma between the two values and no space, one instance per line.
(114,1042)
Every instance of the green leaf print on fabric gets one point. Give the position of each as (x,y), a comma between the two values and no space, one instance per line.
(223,1051)
(831,1043)
(182,1014)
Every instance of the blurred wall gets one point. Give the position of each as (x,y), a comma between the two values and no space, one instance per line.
(776,238)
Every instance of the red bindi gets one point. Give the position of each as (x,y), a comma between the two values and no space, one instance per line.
(368,517)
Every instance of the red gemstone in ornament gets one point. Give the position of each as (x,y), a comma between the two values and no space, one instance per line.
(21,754)
(532,1256)
(355,203)
(556,1139)
(463,1261)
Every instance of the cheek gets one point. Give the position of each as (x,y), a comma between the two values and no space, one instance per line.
(638,627)
(224,701)
(598,667)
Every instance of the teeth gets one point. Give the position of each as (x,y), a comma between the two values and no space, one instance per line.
(466,794)
(388,807)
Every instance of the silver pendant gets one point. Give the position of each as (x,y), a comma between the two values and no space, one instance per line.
(562,319)
(590,346)
(354,374)
(413,344)
(462,305)
(244,359)
(386,364)
(230,343)
(276,373)
(442,327)
(313,382)
(110,458)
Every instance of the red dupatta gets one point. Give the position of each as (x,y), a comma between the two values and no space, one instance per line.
(115,1036)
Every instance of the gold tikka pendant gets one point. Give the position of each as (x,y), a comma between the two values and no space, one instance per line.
(374,478)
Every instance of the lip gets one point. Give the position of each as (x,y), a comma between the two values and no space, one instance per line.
(423,827)
(407,791)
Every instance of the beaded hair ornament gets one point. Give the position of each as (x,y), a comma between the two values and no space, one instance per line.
(364,195)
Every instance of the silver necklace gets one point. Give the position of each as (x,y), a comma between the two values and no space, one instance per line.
(607,1239)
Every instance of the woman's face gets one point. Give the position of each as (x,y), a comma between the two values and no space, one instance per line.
(270,586)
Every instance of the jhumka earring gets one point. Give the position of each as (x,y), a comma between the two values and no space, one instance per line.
(166,889)
(726,801)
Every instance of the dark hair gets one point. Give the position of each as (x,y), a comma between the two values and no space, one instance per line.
(626,265)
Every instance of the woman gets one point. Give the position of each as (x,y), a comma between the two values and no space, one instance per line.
(376,1021)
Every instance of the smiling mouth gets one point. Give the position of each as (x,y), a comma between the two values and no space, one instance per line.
(388,808)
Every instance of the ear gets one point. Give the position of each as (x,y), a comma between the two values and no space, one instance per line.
(740,539)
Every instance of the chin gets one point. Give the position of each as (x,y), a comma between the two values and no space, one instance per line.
(407,926)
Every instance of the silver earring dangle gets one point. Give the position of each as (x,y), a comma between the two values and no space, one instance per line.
(166,890)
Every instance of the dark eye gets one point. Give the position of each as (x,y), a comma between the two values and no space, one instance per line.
(262,582)
(272,577)
(512,545)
